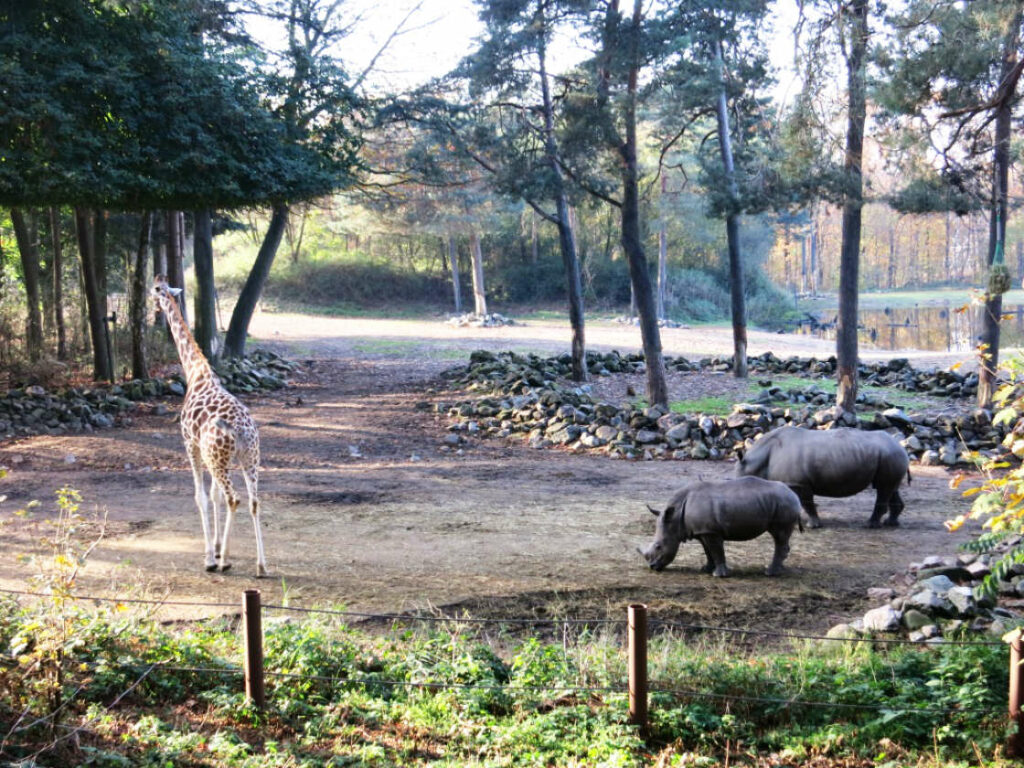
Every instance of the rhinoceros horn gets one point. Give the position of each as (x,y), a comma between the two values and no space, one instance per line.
(653,511)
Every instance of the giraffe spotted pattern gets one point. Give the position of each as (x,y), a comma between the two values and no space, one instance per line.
(217,429)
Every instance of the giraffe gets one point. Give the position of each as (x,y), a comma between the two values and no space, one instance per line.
(216,428)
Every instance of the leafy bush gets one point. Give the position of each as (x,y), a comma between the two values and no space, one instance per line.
(413,697)
(999,499)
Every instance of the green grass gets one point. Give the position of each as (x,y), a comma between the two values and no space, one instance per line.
(502,699)
(907,299)
(714,405)
(403,348)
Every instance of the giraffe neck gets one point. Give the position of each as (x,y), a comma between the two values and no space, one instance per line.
(193,361)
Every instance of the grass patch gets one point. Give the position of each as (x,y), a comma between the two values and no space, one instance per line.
(715,405)
(872,300)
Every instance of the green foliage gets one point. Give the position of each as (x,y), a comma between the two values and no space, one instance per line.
(699,296)
(998,501)
(142,105)
(407,696)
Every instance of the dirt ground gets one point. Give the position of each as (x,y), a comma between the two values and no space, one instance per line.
(365,509)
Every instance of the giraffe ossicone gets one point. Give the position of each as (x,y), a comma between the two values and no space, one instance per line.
(217,429)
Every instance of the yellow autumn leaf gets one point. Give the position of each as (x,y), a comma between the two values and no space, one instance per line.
(971,491)
(955,481)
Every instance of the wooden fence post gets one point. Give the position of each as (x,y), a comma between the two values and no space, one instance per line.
(1015,744)
(252,621)
(637,632)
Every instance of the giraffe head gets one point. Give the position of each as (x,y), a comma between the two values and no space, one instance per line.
(164,293)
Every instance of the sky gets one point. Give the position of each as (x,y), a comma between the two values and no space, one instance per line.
(441,32)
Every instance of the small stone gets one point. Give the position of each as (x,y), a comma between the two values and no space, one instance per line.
(915,619)
(841,631)
(883,619)
(645,436)
(881,593)
(70,458)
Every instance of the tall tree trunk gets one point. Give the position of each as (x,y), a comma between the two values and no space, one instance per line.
(137,299)
(453,265)
(477,257)
(632,245)
(176,260)
(158,240)
(534,238)
(849,260)
(58,285)
(662,286)
(566,235)
(238,328)
(29,250)
(732,229)
(99,253)
(989,362)
(803,265)
(95,303)
(206,292)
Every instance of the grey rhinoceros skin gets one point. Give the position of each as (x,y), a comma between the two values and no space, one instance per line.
(714,512)
(833,462)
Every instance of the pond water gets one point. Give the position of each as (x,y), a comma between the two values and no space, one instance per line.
(950,328)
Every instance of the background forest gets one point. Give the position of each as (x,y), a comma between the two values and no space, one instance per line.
(702,149)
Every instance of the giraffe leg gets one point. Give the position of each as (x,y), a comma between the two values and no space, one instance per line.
(252,487)
(217,460)
(203,503)
(216,492)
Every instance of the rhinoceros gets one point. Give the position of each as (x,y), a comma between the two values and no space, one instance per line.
(714,512)
(833,462)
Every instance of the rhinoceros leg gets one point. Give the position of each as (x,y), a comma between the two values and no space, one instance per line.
(882,501)
(715,548)
(710,565)
(895,507)
(781,551)
(806,496)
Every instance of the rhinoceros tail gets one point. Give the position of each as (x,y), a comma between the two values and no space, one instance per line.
(908,476)
(800,524)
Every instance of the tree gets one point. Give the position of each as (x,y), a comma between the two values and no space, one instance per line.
(28,247)
(954,69)
(139,290)
(83,121)
(855,55)
(606,117)
(316,106)
(509,74)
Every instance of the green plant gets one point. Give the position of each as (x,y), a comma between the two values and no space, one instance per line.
(998,500)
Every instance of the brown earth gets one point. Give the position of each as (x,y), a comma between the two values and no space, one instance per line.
(365,509)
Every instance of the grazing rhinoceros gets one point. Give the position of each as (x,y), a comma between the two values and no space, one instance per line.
(725,510)
(833,462)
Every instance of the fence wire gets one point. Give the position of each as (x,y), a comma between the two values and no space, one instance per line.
(595,622)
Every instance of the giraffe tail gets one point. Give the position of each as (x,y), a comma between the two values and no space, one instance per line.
(223,426)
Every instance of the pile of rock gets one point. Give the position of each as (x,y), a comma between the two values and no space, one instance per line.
(470,320)
(938,599)
(258,370)
(526,396)
(34,410)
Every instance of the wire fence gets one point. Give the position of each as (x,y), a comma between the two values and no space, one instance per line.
(636,687)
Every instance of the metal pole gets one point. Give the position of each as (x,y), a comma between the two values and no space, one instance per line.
(637,632)
(253,627)
(1015,743)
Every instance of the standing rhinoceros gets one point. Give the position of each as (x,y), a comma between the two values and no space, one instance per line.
(833,462)
(725,510)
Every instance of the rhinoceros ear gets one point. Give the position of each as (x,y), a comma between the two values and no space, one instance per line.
(653,511)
